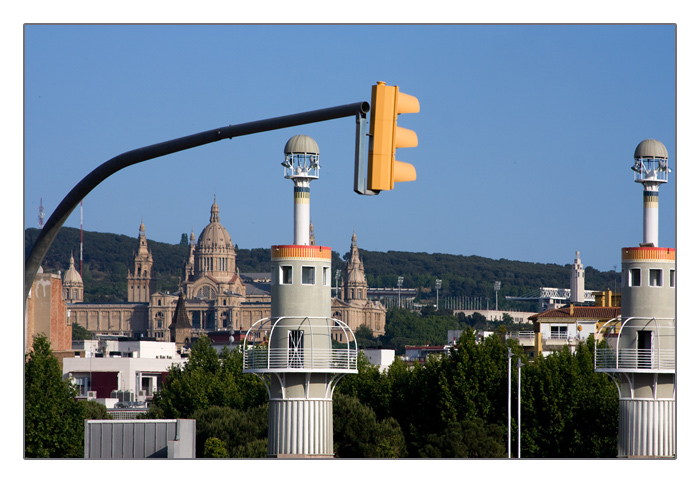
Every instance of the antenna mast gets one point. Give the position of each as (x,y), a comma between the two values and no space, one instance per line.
(41,213)
(81,238)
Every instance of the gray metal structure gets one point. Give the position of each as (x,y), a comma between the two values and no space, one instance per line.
(641,343)
(298,361)
(139,439)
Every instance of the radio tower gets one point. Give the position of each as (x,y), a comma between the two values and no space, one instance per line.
(81,238)
(41,213)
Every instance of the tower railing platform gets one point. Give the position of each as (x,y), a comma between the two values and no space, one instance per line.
(635,360)
(614,358)
(262,358)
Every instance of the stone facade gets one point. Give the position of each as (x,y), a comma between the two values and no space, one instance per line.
(216,295)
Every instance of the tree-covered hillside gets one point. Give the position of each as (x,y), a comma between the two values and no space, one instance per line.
(107,257)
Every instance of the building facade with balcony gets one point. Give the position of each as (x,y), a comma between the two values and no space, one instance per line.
(113,369)
(565,327)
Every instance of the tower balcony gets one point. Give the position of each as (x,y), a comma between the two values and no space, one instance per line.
(315,352)
(636,345)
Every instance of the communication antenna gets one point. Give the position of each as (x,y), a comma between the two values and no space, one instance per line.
(41,213)
(81,238)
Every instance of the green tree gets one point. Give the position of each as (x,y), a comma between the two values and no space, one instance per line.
(466,439)
(358,434)
(215,448)
(80,333)
(207,379)
(94,410)
(53,420)
(243,433)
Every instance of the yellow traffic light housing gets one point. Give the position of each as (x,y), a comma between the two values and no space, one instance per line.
(383,170)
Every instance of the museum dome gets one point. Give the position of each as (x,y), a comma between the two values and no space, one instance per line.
(72,276)
(214,235)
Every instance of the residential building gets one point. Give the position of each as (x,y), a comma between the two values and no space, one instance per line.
(113,369)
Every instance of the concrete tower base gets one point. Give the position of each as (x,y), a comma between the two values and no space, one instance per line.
(647,428)
(300,428)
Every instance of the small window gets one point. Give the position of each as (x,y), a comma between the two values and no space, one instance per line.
(286,275)
(635,279)
(326,276)
(308,275)
(655,277)
(672,281)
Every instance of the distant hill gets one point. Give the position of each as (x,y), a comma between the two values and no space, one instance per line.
(107,256)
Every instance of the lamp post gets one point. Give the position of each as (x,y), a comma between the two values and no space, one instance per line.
(438,286)
(337,276)
(497,287)
(510,355)
(400,282)
(519,365)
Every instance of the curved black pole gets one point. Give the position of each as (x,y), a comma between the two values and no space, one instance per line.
(102,172)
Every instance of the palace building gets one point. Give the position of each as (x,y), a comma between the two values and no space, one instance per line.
(215,296)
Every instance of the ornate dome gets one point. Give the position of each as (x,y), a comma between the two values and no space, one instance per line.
(214,235)
(650,148)
(72,277)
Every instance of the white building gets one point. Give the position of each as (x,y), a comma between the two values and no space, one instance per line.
(119,369)
(380,357)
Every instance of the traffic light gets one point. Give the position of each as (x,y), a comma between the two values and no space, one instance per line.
(383,170)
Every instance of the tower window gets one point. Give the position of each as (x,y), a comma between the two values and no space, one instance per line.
(672,281)
(635,277)
(326,276)
(286,275)
(308,275)
(655,277)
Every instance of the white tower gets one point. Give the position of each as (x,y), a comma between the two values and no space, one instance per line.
(578,281)
(651,169)
(293,351)
(640,353)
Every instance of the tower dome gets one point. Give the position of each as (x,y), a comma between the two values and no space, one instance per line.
(72,283)
(301,144)
(72,276)
(215,253)
(650,148)
(214,234)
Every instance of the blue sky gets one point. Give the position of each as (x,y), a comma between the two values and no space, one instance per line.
(526,132)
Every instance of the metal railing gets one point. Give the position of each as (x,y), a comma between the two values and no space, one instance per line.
(262,358)
(312,358)
(523,334)
(652,359)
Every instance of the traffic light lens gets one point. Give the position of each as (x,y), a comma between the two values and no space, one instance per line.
(404,171)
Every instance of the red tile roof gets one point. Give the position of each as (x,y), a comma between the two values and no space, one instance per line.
(582,312)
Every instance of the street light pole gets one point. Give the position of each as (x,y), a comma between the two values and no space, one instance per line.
(510,354)
(400,282)
(438,286)
(497,287)
(519,365)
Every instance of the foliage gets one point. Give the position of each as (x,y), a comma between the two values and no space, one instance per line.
(456,406)
(207,379)
(466,439)
(53,420)
(108,256)
(242,433)
(215,448)
(94,410)
(404,327)
(80,333)
(358,434)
